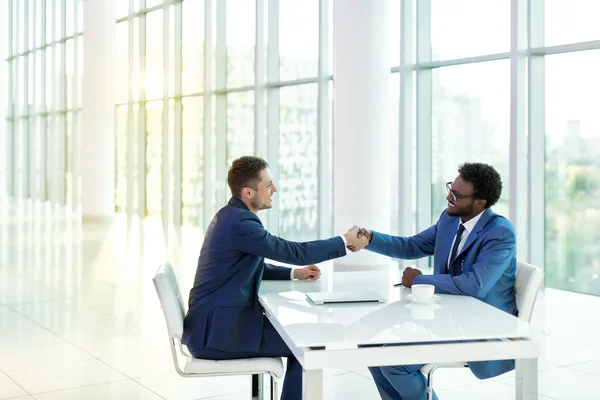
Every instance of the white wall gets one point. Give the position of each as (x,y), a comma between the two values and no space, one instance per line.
(361,162)
(98,119)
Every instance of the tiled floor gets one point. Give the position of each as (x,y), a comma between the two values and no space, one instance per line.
(79,319)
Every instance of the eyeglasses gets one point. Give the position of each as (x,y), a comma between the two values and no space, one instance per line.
(457,196)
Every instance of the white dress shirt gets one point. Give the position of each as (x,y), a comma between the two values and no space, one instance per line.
(469,226)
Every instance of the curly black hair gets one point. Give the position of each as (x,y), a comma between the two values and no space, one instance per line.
(487,183)
(245,172)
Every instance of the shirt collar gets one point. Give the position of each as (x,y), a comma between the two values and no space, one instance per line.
(470,224)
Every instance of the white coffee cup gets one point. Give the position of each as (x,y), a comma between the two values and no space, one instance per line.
(423,292)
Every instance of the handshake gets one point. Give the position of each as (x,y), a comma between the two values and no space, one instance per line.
(357,238)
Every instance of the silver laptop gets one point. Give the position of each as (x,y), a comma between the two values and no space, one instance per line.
(345,297)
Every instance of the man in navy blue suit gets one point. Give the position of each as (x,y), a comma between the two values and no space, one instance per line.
(225,320)
(474,253)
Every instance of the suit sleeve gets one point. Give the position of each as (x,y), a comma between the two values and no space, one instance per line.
(248,235)
(276,273)
(406,248)
(491,263)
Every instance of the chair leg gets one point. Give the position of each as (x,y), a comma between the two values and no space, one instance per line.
(430,384)
(255,386)
(274,391)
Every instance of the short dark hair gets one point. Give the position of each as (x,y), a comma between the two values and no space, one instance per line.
(245,172)
(487,183)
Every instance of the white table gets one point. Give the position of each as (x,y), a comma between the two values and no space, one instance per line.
(327,336)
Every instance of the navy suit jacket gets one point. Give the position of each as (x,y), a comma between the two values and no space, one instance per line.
(224,312)
(487,262)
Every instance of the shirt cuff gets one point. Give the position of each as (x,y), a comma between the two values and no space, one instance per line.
(292,274)
(344,239)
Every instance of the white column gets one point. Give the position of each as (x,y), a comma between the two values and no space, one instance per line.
(98,119)
(4,37)
(361,145)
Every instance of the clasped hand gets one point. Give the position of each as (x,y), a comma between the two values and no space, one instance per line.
(357,238)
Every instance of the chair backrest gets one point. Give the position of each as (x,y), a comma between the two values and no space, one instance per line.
(528,281)
(171,302)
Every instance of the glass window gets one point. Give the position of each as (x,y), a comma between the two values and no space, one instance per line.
(39,71)
(298,39)
(69,158)
(15,31)
(79,100)
(38,22)
(36,153)
(573,172)
(171,72)
(298,162)
(69,72)
(32,28)
(58,77)
(153,78)
(330,27)
(47,132)
(154,160)
(19,163)
(240,37)
(8,168)
(394,117)
(59,160)
(192,161)
(121,8)
(466,28)
(30,82)
(152,3)
(136,75)
(77,155)
(121,159)
(70,17)
(240,125)
(80,9)
(49,78)
(571,21)
(14,70)
(192,51)
(133,136)
(58,19)
(20,85)
(49,21)
(470,122)
(122,62)
(20,5)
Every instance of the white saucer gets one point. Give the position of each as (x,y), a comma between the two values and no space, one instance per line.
(433,299)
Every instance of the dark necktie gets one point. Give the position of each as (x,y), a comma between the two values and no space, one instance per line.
(461,229)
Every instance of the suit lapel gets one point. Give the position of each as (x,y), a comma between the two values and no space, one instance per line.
(487,215)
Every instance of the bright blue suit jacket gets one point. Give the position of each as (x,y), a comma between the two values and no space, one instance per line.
(487,261)
(224,312)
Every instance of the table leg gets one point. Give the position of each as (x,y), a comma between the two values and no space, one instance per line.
(526,379)
(313,385)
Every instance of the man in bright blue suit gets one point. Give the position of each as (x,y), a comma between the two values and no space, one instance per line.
(474,253)
(225,320)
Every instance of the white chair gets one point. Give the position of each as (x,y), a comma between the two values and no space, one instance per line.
(528,281)
(172,304)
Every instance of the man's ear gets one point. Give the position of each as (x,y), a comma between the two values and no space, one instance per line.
(481,203)
(247,193)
